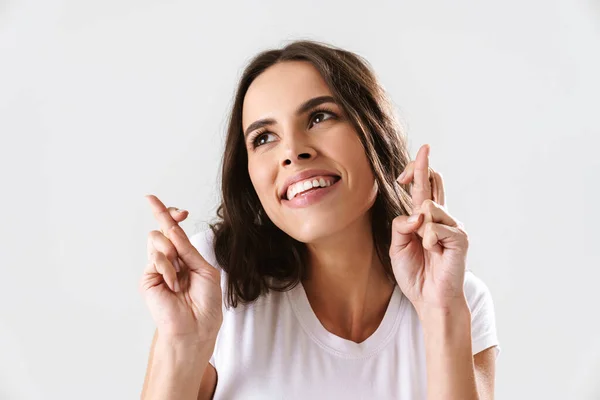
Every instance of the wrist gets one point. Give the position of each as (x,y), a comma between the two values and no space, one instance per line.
(454,309)
(177,367)
(449,323)
(194,339)
(191,345)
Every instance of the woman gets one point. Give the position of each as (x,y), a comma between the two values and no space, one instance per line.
(324,277)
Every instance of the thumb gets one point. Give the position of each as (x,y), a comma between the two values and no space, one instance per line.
(403,229)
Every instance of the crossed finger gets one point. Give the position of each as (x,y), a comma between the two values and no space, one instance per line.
(428,184)
(161,214)
(171,229)
(442,222)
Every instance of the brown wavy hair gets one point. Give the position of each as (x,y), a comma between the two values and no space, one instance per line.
(256,254)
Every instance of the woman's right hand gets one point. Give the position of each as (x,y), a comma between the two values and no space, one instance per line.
(185,305)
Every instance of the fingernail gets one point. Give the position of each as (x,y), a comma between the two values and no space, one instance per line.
(177,288)
(180,211)
(413,218)
(177,266)
(402,175)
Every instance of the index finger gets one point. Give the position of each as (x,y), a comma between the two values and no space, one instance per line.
(161,214)
(421,189)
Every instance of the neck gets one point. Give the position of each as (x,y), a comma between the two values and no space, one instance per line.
(346,283)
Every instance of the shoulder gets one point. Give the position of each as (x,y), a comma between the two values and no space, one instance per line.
(483,319)
(475,289)
(203,241)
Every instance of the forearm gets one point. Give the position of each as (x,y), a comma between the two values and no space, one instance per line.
(176,369)
(450,369)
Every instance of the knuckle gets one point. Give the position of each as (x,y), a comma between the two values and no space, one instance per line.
(171,253)
(177,229)
(428,205)
(421,186)
(465,240)
(160,241)
(157,256)
(154,257)
(212,273)
(155,234)
(187,252)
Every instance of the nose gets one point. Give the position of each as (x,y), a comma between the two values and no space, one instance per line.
(297,150)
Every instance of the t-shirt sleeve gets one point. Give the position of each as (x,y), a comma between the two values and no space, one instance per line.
(483,319)
(203,242)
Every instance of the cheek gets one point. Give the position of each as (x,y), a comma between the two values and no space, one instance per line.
(349,151)
(262,179)
(344,143)
(363,185)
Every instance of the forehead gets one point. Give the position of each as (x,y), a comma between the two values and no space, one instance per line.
(280,89)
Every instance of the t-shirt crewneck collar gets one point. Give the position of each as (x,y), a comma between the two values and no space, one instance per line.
(343,347)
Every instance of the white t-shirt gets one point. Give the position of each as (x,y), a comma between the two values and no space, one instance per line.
(276,348)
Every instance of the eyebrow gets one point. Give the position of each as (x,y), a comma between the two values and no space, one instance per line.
(306,106)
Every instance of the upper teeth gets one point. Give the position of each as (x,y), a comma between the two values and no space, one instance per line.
(303,186)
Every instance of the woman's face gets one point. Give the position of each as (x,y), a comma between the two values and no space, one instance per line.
(305,159)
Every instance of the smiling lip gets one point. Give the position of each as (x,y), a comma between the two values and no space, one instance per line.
(310,197)
(302,176)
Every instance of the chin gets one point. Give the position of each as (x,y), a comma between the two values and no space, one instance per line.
(317,227)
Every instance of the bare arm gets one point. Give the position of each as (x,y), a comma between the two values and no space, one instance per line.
(179,370)
(208,384)
(452,371)
(485,372)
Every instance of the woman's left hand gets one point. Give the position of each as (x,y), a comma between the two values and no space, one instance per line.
(429,254)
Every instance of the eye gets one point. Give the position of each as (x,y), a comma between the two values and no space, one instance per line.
(319,116)
(261,138)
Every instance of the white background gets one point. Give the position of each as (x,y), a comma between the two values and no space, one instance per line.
(102,102)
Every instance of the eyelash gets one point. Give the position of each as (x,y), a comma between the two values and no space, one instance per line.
(254,138)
